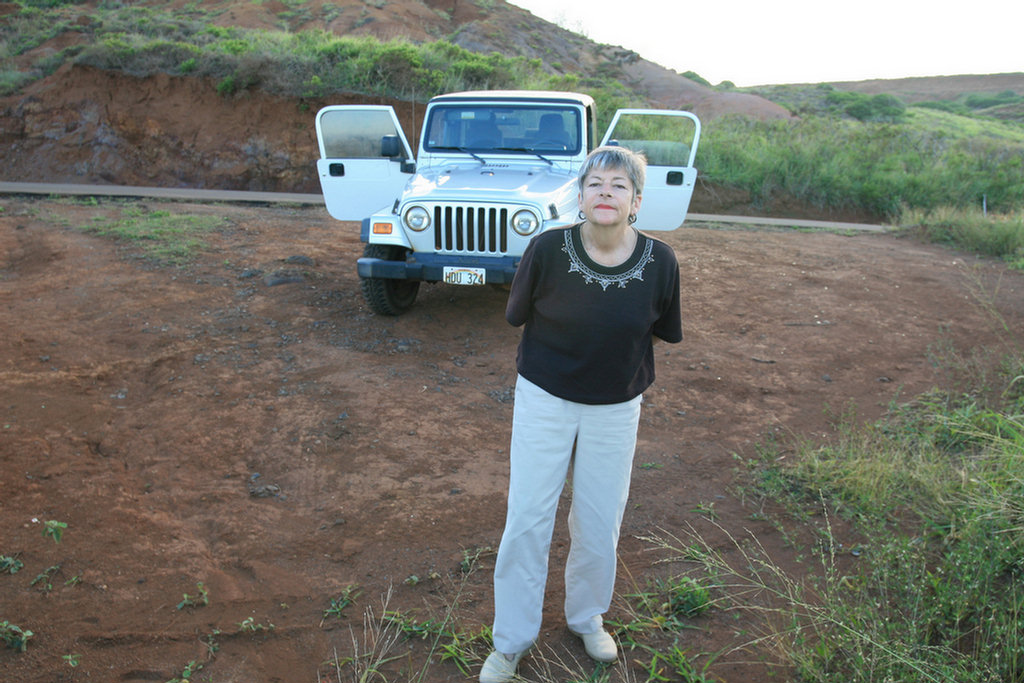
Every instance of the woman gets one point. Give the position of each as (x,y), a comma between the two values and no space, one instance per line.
(591,298)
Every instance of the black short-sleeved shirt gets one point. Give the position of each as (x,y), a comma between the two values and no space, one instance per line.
(588,328)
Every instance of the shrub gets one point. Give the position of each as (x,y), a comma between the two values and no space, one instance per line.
(867,107)
(12,81)
(984,101)
(227,86)
(696,78)
(234,46)
(46,4)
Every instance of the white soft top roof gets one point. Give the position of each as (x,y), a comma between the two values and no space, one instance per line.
(545,95)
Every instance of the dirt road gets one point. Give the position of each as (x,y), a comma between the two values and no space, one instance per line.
(190,194)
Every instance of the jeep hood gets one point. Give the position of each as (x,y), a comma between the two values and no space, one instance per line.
(496,182)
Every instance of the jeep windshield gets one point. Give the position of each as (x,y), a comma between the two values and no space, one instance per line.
(504,129)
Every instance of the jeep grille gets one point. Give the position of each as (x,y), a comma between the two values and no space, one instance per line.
(468,229)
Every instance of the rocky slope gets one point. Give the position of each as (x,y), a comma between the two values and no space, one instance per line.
(91,126)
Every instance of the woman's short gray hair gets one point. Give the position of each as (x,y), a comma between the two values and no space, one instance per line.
(613,156)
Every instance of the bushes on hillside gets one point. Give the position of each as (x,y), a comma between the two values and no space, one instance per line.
(875,167)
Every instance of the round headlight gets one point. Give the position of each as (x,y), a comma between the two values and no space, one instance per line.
(525,222)
(417,218)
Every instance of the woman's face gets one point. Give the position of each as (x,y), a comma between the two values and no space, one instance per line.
(608,197)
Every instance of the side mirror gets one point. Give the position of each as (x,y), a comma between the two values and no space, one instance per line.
(391,147)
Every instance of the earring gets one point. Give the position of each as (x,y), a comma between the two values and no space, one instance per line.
(632,218)
(582,216)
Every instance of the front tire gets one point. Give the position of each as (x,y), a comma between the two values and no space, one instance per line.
(388,296)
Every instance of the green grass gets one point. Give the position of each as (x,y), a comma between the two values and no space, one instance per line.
(936,492)
(145,40)
(999,235)
(161,235)
(932,160)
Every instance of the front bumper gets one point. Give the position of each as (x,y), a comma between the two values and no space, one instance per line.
(430,267)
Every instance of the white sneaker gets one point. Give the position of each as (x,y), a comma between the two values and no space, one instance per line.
(500,668)
(600,646)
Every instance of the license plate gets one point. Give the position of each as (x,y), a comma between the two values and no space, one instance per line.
(465,276)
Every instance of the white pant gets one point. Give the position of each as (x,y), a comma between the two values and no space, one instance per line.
(543,430)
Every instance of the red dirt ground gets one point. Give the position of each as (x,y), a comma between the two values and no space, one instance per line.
(246,422)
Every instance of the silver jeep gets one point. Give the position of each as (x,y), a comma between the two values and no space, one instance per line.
(493,170)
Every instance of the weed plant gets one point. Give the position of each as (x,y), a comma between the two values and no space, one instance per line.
(187,673)
(373,651)
(346,599)
(672,664)
(44,580)
(666,605)
(250,625)
(14,636)
(392,642)
(449,642)
(10,564)
(201,599)
(54,529)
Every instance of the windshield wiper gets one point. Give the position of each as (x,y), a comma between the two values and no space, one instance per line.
(527,151)
(464,151)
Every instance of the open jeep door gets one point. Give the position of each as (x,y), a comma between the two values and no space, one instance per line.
(365,159)
(669,140)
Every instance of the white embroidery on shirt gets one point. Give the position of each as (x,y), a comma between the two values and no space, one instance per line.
(577,265)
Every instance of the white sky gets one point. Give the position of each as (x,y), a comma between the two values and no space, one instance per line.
(757,42)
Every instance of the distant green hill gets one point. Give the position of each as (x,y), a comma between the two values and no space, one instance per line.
(875,148)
